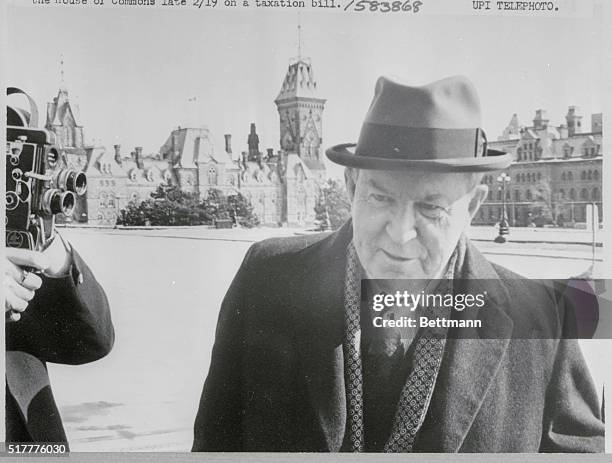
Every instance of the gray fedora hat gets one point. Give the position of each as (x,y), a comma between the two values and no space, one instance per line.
(435,127)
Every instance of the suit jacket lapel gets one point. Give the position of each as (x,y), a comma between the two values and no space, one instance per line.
(319,324)
(469,365)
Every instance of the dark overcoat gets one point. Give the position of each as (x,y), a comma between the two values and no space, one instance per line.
(276,378)
(68,321)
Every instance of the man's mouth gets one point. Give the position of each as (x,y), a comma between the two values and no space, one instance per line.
(397,258)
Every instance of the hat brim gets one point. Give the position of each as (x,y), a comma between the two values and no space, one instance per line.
(494,160)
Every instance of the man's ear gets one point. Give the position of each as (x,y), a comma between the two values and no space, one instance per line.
(349,180)
(478,196)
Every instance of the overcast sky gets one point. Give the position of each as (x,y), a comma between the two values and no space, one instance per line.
(132,71)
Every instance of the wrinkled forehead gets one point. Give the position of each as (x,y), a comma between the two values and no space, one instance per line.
(418,185)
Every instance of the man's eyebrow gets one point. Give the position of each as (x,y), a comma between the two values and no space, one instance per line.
(433,197)
(373,184)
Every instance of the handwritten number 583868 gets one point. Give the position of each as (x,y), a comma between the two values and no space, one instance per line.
(385,6)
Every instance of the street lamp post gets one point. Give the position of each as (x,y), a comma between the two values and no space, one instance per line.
(503,220)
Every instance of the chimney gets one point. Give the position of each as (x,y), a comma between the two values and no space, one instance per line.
(540,121)
(228,143)
(574,120)
(597,123)
(563,131)
(118,154)
(138,157)
(270,153)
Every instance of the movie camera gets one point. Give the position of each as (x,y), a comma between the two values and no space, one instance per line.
(39,183)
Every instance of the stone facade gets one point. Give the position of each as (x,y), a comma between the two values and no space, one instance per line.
(558,169)
(282,186)
(301,112)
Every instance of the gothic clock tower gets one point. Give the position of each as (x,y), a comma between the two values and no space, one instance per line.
(301,116)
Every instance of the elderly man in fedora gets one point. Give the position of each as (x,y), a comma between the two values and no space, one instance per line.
(295,366)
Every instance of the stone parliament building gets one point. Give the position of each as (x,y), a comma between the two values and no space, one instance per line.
(556,172)
(282,186)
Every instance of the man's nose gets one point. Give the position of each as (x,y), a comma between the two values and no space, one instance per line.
(401,227)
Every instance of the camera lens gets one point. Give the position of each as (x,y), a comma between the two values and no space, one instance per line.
(77,182)
(68,202)
(72,180)
(56,202)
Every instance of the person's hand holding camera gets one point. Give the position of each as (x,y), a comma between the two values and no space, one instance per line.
(20,273)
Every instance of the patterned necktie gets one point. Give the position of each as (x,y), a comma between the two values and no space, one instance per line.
(416,393)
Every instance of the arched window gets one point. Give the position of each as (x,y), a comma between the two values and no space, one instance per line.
(499,195)
(590,176)
(529,197)
(212,176)
(111,200)
(572,194)
(562,193)
(518,178)
(583,175)
(517,195)
(596,175)
(595,194)
(570,176)
(584,194)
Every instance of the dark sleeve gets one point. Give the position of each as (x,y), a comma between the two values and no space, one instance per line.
(68,321)
(218,421)
(572,421)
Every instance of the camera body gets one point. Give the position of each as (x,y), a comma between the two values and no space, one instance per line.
(39,184)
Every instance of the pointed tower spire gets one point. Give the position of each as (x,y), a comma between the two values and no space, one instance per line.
(299,31)
(62,82)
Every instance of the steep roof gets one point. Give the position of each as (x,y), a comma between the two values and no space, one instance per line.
(57,109)
(299,81)
(189,146)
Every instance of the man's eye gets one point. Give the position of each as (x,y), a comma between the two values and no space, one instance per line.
(378,198)
(431,210)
